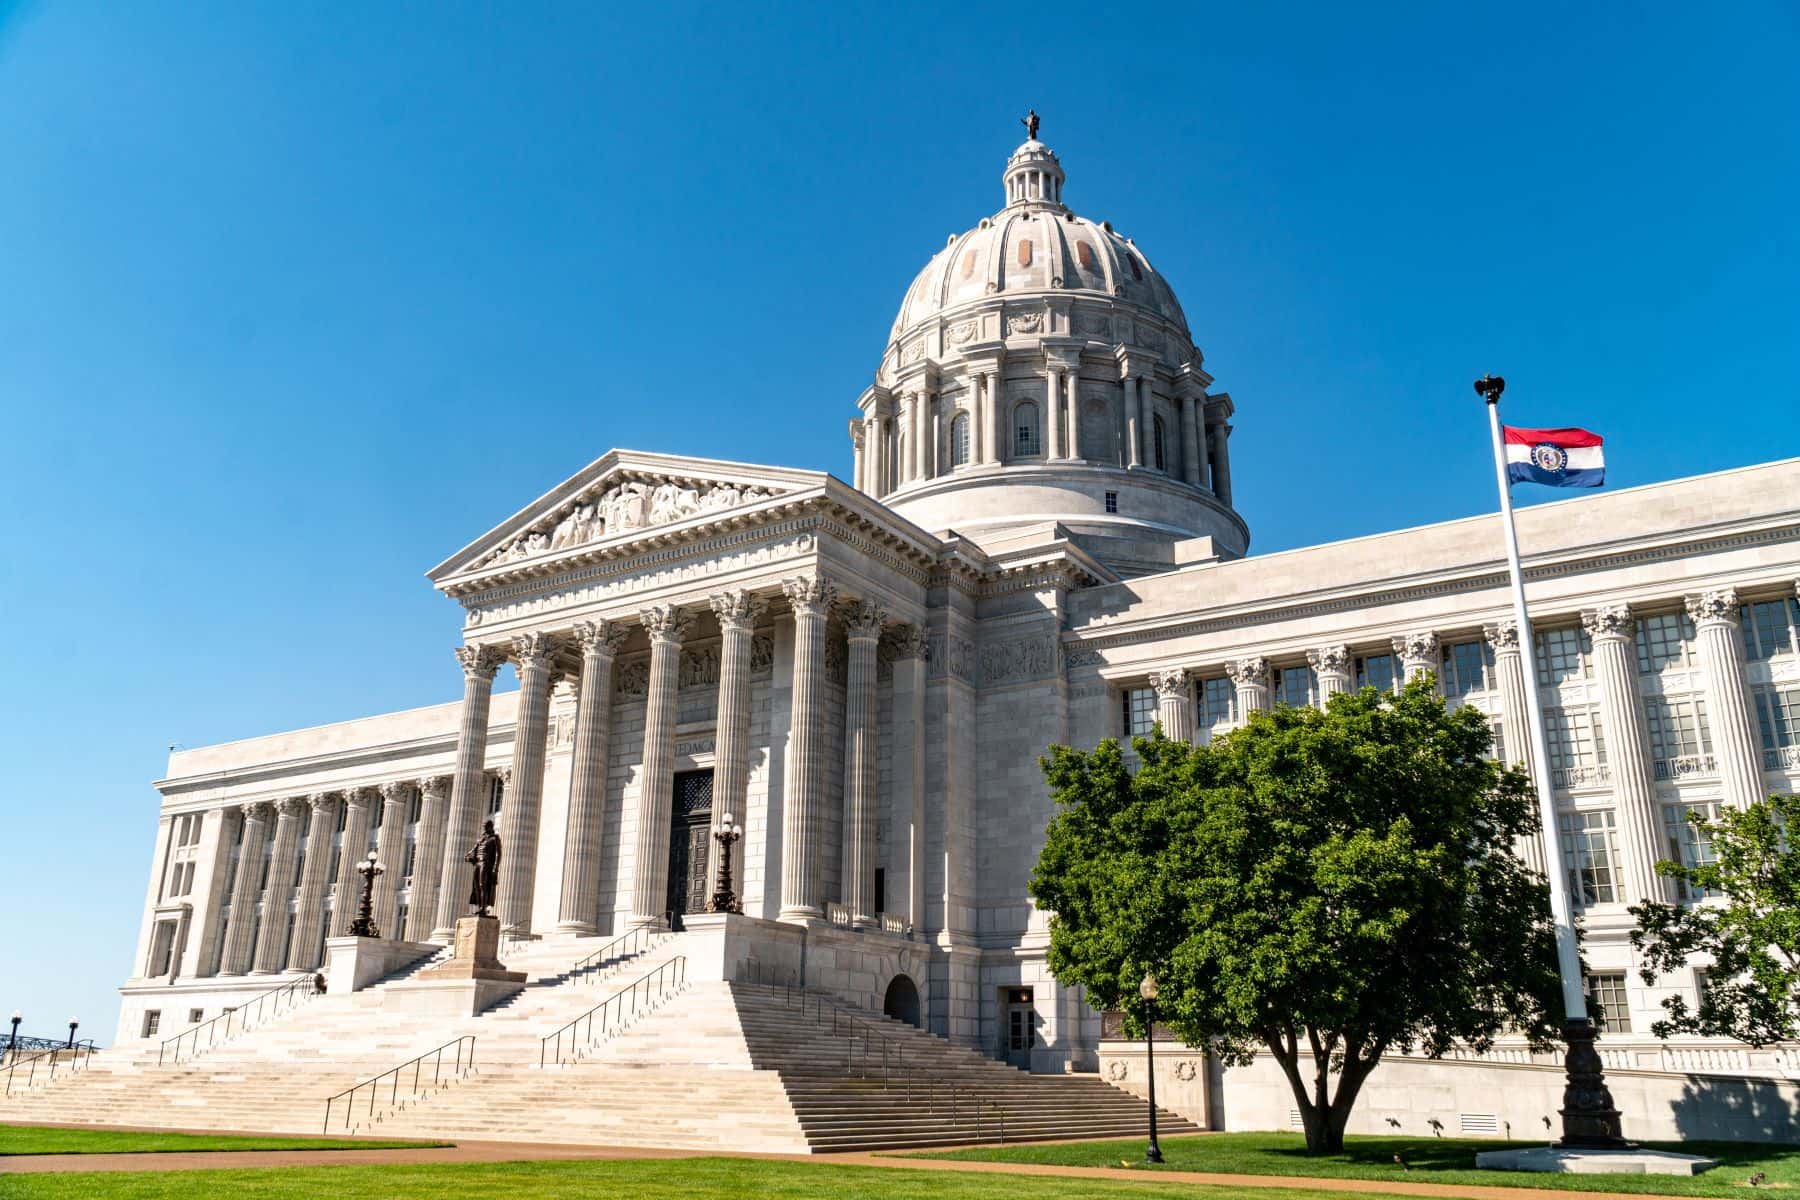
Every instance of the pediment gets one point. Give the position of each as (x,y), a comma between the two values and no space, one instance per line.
(623,497)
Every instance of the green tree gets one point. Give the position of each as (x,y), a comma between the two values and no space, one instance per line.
(1326,884)
(1750,928)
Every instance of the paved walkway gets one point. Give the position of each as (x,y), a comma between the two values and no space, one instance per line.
(485,1152)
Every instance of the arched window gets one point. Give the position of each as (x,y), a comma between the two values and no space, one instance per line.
(1025,431)
(959,440)
(1162,462)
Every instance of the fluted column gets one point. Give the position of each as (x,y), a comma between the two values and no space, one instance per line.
(246,891)
(428,857)
(1190,441)
(272,935)
(468,790)
(522,814)
(1331,664)
(580,904)
(390,849)
(1612,631)
(667,626)
(1515,720)
(1417,652)
(1715,617)
(315,874)
(861,716)
(811,597)
(1174,704)
(737,612)
(348,894)
(1250,677)
(1053,415)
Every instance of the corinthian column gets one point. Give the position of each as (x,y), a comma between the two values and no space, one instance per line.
(469,786)
(428,856)
(315,873)
(1250,677)
(737,613)
(811,597)
(1174,704)
(667,626)
(348,894)
(1331,664)
(1611,630)
(1515,721)
(1715,617)
(861,716)
(246,891)
(272,939)
(390,848)
(1418,653)
(580,905)
(521,815)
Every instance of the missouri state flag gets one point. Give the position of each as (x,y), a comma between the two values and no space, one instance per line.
(1557,457)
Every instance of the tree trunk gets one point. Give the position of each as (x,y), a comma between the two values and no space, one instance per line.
(1323,1117)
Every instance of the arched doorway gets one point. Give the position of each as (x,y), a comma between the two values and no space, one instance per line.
(902,1001)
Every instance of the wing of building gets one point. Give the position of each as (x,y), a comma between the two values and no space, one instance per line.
(1038,545)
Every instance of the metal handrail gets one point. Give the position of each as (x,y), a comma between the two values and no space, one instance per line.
(671,975)
(76,1056)
(458,1068)
(26,1041)
(305,987)
(640,939)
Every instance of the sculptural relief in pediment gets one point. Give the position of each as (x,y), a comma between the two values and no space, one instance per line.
(612,508)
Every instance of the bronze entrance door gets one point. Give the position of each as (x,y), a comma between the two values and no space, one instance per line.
(689,836)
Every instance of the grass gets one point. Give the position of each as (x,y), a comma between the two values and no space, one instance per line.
(686,1179)
(1431,1160)
(39,1139)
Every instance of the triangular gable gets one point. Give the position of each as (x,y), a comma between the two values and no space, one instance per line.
(617,497)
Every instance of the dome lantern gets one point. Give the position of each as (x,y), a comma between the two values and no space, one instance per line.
(1034,175)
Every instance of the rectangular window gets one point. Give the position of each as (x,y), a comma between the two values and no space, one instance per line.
(152,1021)
(1577,746)
(195,1015)
(1498,751)
(1140,711)
(1296,687)
(496,796)
(1684,842)
(1608,999)
(1112,502)
(1590,850)
(1666,640)
(1468,667)
(1769,628)
(1680,741)
(1562,655)
(1379,671)
(1778,720)
(1218,703)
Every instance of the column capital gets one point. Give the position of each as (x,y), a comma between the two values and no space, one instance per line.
(395,791)
(1609,621)
(1420,646)
(257,809)
(479,661)
(1717,606)
(322,800)
(1503,636)
(1172,682)
(290,806)
(863,620)
(534,651)
(909,642)
(433,787)
(358,797)
(810,594)
(600,639)
(1329,660)
(737,610)
(666,623)
(1249,672)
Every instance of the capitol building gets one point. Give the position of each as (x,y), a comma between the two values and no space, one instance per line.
(1037,543)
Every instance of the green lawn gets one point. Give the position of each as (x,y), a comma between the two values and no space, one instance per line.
(1431,1160)
(36,1139)
(675,1179)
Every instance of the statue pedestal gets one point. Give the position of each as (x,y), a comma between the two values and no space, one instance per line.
(471,981)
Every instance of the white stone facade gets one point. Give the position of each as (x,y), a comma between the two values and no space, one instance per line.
(869,673)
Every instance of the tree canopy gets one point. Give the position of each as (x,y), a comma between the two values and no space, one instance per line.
(1749,928)
(1327,884)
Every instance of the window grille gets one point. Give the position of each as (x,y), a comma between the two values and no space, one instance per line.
(1665,640)
(1769,628)
(1467,667)
(959,440)
(1025,430)
(1379,671)
(1680,739)
(1687,843)
(1296,687)
(1778,721)
(1139,711)
(1577,745)
(1590,851)
(1610,1003)
(1218,702)
(1112,502)
(152,1021)
(1562,655)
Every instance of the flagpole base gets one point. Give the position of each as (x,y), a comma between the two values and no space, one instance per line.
(1590,1119)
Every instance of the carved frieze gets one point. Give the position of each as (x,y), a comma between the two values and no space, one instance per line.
(699,668)
(621,508)
(1021,658)
(762,654)
(632,679)
(1025,322)
(964,331)
(952,658)
(1094,325)
(1083,656)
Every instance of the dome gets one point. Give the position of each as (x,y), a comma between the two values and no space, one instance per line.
(1040,380)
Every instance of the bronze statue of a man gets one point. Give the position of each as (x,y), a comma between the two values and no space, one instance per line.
(1030,122)
(486,856)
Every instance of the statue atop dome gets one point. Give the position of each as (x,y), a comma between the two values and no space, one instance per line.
(1030,122)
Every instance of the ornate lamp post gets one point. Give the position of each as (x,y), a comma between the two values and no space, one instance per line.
(725,900)
(364,925)
(16,1018)
(1147,989)
(73,1026)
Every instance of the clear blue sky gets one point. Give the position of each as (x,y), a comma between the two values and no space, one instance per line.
(296,299)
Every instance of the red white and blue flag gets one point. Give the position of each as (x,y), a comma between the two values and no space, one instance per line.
(1554,457)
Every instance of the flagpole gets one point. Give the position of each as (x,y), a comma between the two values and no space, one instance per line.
(1589,1117)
